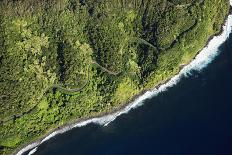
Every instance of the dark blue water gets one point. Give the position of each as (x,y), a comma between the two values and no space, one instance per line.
(192,118)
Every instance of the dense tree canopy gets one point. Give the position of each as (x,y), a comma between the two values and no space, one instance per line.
(66,59)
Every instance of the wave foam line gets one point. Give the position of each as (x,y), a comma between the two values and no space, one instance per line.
(33,151)
(206,56)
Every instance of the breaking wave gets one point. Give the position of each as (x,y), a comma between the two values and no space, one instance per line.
(198,63)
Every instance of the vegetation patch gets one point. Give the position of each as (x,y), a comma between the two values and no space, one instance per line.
(63,60)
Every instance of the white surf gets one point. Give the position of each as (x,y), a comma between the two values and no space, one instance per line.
(201,61)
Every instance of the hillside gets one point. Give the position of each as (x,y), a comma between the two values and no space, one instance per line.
(63,60)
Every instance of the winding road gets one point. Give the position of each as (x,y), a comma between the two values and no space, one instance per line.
(62,89)
(75,90)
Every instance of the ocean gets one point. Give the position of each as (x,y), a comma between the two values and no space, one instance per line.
(193,117)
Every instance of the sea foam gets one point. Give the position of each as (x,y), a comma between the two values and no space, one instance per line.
(206,56)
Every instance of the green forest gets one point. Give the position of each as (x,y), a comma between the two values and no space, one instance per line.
(64,60)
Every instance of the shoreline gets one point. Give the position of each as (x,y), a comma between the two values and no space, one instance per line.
(105,118)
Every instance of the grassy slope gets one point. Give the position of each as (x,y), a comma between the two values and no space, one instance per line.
(46,43)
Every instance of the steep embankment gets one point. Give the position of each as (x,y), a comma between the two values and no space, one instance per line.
(121,47)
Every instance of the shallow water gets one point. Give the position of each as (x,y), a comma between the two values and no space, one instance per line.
(194,117)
